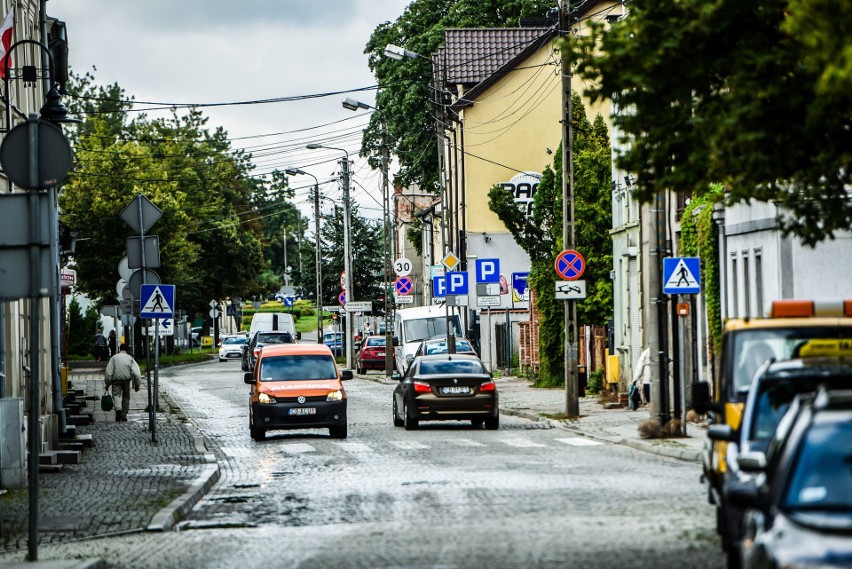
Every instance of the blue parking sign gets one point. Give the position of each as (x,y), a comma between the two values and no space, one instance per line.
(457,283)
(488,270)
(439,286)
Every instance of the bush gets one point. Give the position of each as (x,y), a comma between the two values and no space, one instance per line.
(595,382)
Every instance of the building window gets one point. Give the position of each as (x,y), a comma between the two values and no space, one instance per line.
(746,287)
(734,288)
(758,281)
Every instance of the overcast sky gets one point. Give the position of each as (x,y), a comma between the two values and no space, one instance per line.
(218,51)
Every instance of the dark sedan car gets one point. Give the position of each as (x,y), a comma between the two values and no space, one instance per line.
(446,387)
(801,506)
(371,355)
(257,341)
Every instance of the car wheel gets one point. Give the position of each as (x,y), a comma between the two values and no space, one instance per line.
(409,422)
(221,360)
(397,422)
(338,432)
(256,433)
(477,423)
(492,423)
(361,371)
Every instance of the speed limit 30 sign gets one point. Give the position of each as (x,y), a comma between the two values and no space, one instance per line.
(402,267)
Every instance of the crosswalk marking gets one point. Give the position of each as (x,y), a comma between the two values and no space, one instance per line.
(466,443)
(522,443)
(409,445)
(354,448)
(579,442)
(297,448)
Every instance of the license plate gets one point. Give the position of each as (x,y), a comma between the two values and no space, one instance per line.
(380,354)
(455,389)
(302,411)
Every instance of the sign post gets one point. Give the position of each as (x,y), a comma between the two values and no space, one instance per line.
(156,301)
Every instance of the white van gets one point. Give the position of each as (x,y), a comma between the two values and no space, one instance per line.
(273,322)
(413,325)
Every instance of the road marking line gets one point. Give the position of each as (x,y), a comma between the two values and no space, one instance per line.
(297,448)
(579,442)
(354,447)
(522,443)
(467,443)
(409,445)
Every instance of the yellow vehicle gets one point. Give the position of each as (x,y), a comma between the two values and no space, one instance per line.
(794,329)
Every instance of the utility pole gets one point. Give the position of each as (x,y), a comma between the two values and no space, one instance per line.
(347,262)
(572,400)
(318,260)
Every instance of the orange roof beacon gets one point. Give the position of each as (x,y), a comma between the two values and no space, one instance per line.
(297,386)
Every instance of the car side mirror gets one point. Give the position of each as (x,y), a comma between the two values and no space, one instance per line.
(346,374)
(722,432)
(752,462)
(249,377)
(397,376)
(409,358)
(395,341)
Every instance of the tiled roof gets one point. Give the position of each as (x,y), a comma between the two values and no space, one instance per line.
(470,55)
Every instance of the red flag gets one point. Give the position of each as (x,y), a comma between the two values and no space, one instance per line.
(6,41)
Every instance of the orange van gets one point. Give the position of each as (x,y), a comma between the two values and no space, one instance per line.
(296,386)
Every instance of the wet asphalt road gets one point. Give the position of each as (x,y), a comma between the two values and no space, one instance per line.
(444,496)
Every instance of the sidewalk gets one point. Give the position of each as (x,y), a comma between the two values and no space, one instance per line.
(157,484)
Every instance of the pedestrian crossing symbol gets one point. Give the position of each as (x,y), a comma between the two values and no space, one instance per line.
(157,301)
(681,275)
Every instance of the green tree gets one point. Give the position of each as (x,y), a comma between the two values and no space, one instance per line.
(752,94)
(81,329)
(208,229)
(405,87)
(541,237)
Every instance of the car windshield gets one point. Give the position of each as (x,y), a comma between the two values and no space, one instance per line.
(425,328)
(332,337)
(277,338)
(441,347)
(822,474)
(450,367)
(753,347)
(234,341)
(774,399)
(296,368)
(375,342)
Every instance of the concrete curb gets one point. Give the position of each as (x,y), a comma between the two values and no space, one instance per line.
(171,514)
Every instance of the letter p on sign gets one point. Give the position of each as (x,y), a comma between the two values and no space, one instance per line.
(488,270)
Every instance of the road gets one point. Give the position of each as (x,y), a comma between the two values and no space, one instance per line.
(445,496)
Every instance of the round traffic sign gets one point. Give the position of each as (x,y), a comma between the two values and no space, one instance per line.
(343,280)
(404,286)
(402,267)
(341,298)
(570,265)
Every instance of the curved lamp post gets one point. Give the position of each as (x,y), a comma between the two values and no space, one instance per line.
(293,172)
(354,105)
(347,248)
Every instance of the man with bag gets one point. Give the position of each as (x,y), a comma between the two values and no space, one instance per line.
(120,371)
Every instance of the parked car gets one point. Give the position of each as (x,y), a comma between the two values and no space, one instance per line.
(446,387)
(297,386)
(770,395)
(371,355)
(232,348)
(335,342)
(800,504)
(440,346)
(257,341)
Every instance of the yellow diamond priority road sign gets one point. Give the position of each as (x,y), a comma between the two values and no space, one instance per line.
(450,261)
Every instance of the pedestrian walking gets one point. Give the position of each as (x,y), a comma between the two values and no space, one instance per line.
(642,373)
(121,370)
(101,347)
(111,343)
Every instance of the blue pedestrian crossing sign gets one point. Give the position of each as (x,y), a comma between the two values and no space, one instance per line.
(681,275)
(157,301)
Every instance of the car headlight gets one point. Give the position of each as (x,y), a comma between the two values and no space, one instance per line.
(264,398)
(335,396)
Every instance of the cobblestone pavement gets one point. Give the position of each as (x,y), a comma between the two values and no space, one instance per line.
(126,484)
(120,485)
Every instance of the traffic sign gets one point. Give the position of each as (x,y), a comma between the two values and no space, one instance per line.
(341,298)
(450,261)
(402,267)
(570,290)
(403,286)
(141,214)
(343,280)
(457,283)
(488,301)
(167,328)
(570,265)
(488,270)
(288,301)
(213,313)
(400,299)
(359,306)
(681,275)
(157,301)
(439,286)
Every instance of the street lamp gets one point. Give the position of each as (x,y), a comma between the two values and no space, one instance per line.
(293,172)
(354,105)
(347,247)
